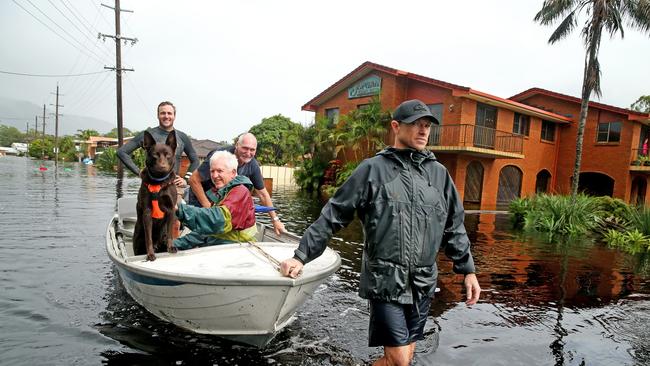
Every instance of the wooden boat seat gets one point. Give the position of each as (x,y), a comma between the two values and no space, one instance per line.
(126,215)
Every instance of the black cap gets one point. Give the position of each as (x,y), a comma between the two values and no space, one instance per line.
(412,110)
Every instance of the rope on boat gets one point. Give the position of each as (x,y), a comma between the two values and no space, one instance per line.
(121,246)
(274,262)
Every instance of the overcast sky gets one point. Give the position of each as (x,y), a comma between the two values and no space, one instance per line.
(228,64)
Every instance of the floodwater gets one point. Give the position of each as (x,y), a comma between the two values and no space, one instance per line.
(62,302)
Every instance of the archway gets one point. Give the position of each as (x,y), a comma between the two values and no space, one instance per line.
(542,181)
(473,185)
(510,179)
(596,184)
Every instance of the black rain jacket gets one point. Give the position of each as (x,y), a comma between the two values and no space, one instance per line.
(410,209)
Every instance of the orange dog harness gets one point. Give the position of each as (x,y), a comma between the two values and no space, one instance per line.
(156,212)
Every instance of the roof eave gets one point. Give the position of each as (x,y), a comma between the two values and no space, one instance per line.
(632,115)
(515,106)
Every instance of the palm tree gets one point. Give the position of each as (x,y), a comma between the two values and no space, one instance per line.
(601,14)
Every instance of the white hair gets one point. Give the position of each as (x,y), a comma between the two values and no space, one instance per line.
(240,139)
(230,159)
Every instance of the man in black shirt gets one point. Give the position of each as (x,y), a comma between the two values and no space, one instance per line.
(244,150)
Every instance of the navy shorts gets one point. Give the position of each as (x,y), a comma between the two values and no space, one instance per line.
(393,324)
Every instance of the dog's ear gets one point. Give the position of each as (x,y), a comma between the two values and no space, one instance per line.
(148,141)
(171,140)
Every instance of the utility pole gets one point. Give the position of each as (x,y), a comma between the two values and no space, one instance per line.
(35,128)
(56,127)
(43,142)
(118,65)
(43,120)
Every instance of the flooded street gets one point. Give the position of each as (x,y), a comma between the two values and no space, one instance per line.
(62,302)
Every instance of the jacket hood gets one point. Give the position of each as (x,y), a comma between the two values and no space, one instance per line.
(238,180)
(405,156)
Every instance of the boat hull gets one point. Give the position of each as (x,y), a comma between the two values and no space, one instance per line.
(232,291)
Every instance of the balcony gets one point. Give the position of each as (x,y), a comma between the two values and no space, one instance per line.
(640,161)
(476,140)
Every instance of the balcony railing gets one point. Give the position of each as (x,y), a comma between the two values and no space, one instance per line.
(640,154)
(468,135)
(640,160)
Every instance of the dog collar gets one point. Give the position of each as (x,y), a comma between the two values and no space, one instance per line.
(158,179)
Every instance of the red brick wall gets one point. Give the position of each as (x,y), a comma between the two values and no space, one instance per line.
(611,159)
(556,157)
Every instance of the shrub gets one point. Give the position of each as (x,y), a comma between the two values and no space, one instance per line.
(631,241)
(518,209)
(640,218)
(309,174)
(562,215)
(107,160)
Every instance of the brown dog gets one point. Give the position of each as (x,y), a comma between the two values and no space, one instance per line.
(156,198)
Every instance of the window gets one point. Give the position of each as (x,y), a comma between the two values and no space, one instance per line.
(548,131)
(436,110)
(486,115)
(521,124)
(434,135)
(609,132)
(486,123)
(541,183)
(332,115)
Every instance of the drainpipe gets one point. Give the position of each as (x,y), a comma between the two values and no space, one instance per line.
(557,152)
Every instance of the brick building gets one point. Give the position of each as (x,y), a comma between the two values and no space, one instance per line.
(498,149)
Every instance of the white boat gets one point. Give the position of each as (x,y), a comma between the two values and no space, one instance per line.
(233,290)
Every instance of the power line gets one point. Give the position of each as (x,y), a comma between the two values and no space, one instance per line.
(64,31)
(99,11)
(51,76)
(17,118)
(79,29)
(146,108)
(83,21)
(97,57)
(89,94)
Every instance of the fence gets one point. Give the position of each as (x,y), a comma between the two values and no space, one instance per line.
(281,176)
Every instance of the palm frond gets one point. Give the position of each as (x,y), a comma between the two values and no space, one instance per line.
(564,29)
(552,10)
(638,14)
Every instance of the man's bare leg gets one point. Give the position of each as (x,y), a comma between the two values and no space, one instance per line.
(396,356)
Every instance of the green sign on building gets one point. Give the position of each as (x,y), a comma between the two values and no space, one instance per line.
(368,86)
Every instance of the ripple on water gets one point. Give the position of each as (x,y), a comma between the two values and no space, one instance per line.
(543,303)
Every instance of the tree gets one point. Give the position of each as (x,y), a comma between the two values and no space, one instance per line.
(113,133)
(9,135)
(40,148)
(601,14)
(363,129)
(86,134)
(642,104)
(278,140)
(67,149)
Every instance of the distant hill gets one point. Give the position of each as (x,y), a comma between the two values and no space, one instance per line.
(17,113)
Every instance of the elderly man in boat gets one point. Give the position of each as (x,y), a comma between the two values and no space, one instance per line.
(231,219)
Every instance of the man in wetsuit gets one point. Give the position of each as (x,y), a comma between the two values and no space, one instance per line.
(166,118)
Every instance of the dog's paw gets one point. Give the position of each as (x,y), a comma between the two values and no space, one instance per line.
(171,249)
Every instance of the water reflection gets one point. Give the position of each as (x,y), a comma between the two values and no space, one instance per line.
(61,300)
